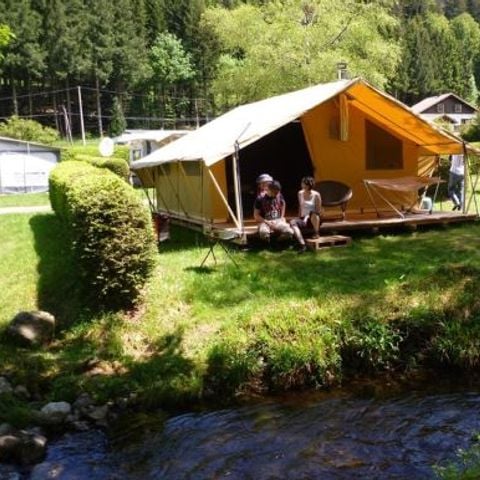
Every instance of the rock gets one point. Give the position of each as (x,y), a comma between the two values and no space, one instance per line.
(98,413)
(32,328)
(55,412)
(5,386)
(22,447)
(9,447)
(21,392)
(34,448)
(81,426)
(5,428)
(83,402)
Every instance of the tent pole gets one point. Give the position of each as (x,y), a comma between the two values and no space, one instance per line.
(237,186)
(465,183)
(222,196)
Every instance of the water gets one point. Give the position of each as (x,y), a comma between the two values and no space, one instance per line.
(339,436)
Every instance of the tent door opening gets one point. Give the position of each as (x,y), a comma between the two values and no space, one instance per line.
(283,154)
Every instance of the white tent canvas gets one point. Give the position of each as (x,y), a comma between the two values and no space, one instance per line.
(20,172)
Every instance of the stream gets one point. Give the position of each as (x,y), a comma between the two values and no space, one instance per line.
(337,435)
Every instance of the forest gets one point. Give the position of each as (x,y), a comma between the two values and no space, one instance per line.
(173,63)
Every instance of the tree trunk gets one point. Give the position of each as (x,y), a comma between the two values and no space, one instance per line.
(69,102)
(14,96)
(55,109)
(30,100)
(99,105)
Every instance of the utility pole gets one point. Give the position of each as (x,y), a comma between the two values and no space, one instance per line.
(80,106)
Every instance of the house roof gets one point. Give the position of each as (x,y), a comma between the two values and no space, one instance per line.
(428,102)
(246,124)
(27,142)
(152,135)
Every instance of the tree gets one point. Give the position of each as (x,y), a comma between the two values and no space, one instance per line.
(298,44)
(118,124)
(169,61)
(23,56)
(6,36)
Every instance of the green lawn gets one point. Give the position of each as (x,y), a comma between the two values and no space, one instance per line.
(24,200)
(279,321)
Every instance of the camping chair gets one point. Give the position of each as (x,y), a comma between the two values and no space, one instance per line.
(334,194)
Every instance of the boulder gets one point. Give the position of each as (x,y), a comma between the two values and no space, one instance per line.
(55,412)
(83,402)
(21,392)
(5,386)
(22,447)
(98,413)
(32,328)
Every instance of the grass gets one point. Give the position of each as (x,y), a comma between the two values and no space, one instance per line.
(24,200)
(280,321)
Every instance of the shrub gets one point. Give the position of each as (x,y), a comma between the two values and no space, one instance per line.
(72,151)
(110,229)
(28,130)
(115,165)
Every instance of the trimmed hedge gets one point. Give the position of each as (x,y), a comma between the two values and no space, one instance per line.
(114,164)
(110,229)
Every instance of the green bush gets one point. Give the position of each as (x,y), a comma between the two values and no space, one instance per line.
(115,165)
(28,130)
(72,151)
(111,231)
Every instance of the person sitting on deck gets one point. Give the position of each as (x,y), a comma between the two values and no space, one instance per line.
(309,211)
(262,182)
(269,213)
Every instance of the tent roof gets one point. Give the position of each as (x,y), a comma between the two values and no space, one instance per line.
(248,123)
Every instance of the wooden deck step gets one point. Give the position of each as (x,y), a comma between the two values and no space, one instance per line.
(328,242)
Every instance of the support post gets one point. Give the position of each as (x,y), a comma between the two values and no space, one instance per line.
(80,107)
(237,186)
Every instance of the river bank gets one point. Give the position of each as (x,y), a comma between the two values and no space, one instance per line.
(277,323)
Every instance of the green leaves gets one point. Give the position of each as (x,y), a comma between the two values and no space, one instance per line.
(285,45)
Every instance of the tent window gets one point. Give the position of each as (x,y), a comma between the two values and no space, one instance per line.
(384,151)
(192,169)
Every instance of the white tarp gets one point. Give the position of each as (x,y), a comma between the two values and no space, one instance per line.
(216,140)
(20,172)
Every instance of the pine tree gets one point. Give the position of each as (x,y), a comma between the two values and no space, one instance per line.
(118,124)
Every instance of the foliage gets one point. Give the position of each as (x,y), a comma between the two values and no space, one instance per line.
(110,229)
(115,165)
(28,130)
(466,467)
(6,36)
(170,63)
(118,124)
(298,44)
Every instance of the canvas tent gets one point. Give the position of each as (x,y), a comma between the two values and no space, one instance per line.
(25,166)
(345,130)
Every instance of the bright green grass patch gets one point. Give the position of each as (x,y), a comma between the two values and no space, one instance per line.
(279,321)
(24,200)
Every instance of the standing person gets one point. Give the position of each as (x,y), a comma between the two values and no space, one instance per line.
(455,181)
(309,211)
(269,213)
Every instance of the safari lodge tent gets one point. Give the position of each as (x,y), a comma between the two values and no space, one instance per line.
(346,131)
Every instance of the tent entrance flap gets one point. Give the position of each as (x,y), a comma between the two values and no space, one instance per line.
(283,154)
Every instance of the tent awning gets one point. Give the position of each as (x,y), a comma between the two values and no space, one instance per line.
(248,123)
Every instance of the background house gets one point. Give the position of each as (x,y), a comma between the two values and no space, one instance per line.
(25,166)
(447,108)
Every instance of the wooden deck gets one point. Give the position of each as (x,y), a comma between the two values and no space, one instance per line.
(367,222)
